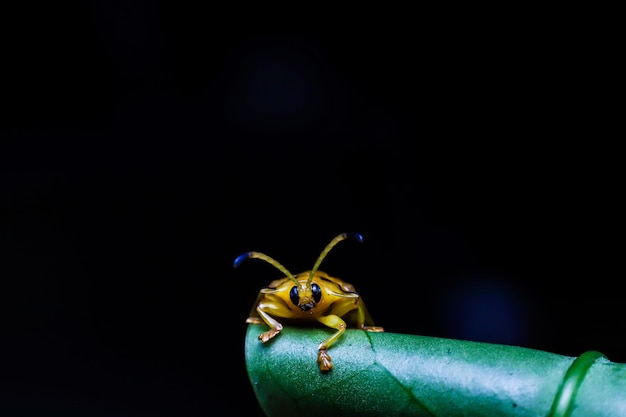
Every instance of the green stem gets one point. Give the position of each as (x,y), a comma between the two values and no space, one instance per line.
(391,374)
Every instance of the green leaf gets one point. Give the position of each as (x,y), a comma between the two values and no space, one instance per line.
(390,374)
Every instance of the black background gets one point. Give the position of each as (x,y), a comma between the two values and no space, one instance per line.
(146,145)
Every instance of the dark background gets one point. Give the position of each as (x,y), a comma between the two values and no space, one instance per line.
(146,145)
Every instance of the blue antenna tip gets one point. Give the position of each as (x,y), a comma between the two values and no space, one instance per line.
(356,236)
(241,258)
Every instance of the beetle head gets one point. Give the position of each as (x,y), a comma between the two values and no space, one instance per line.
(305,296)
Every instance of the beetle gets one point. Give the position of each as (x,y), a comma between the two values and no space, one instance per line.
(309,297)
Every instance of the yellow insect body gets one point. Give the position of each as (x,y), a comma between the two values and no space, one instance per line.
(311,296)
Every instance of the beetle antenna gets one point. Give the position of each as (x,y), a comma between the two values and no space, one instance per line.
(264,257)
(327,249)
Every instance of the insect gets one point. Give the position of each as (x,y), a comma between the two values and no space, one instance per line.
(309,297)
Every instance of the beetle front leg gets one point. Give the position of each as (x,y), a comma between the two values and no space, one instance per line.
(275,326)
(323,358)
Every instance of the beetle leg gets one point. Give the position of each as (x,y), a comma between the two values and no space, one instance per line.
(364,320)
(275,326)
(377,329)
(323,358)
(363,316)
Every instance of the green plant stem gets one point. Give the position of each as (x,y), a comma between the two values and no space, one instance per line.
(390,374)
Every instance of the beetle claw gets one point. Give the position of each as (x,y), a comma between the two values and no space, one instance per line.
(373,328)
(254,320)
(265,336)
(324,361)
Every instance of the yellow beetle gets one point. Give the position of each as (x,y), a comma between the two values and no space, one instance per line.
(311,296)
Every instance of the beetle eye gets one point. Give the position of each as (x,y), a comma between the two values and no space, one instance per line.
(293,295)
(317,292)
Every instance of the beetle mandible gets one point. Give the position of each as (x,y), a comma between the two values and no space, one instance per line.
(311,296)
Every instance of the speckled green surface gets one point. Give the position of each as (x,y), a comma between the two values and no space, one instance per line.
(391,374)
